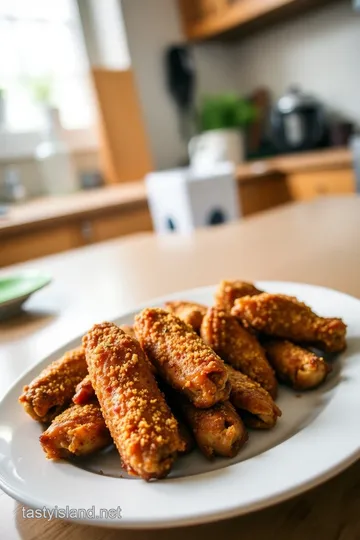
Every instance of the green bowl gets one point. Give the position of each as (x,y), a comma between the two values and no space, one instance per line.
(16,289)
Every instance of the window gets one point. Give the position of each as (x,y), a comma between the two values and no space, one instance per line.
(43,59)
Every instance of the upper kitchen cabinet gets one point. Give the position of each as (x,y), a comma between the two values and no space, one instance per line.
(205,19)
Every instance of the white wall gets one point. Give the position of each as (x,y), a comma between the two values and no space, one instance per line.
(319,50)
(104,32)
(151,26)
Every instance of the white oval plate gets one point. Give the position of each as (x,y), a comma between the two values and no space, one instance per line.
(315,439)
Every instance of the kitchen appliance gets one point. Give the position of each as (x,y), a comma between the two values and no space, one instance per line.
(355,146)
(180,75)
(298,122)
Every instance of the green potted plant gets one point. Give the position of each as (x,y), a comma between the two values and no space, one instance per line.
(41,92)
(222,120)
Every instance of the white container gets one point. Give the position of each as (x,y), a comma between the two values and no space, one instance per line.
(55,163)
(2,110)
(182,200)
(355,146)
(216,146)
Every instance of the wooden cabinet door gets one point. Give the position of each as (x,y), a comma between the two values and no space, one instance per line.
(114,225)
(308,185)
(48,240)
(39,243)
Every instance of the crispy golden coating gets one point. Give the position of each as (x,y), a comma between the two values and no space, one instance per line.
(131,332)
(219,431)
(189,312)
(296,366)
(238,347)
(228,291)
(128,330)
(285,317)
(49,393)
(77,431)
(186,437)
(141,424)
(256,406)
(182,358)
(84,392)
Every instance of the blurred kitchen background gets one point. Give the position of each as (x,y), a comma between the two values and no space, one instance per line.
(125,116)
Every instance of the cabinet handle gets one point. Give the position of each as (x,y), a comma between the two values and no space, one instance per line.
(87,231)
(321,189)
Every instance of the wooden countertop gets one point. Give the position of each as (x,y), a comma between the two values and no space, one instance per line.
(313,242)
(327,159)
(46,210)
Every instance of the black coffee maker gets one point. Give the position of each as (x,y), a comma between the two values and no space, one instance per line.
(298,122)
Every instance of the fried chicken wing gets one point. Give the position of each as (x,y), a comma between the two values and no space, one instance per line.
(77,431)
(285,317)
(51,392)
(219,431)
(228,291)
(186,437)
(189,312)
(296,366)
(128,330)
(182,358)
(238,347)
(84,392)
(256,406)
(141,424)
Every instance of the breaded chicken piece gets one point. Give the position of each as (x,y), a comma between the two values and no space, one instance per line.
(51,392)
(84,392)
(186,437)
(189,312)
(296,366)
(285,317)
(128,330)
(256,406)
(219,431)
(228,291)
(238,347)
(141,424)
(182,358)
(78,431)
(131,332)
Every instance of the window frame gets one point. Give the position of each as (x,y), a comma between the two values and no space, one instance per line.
(22,145)
(18,145)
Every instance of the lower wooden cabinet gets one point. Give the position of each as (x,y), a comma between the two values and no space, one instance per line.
(49,239)
(308,185)
(263,193)
(114,225)
(46,240)
(255,195)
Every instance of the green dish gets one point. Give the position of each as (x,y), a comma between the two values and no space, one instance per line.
(16,289)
